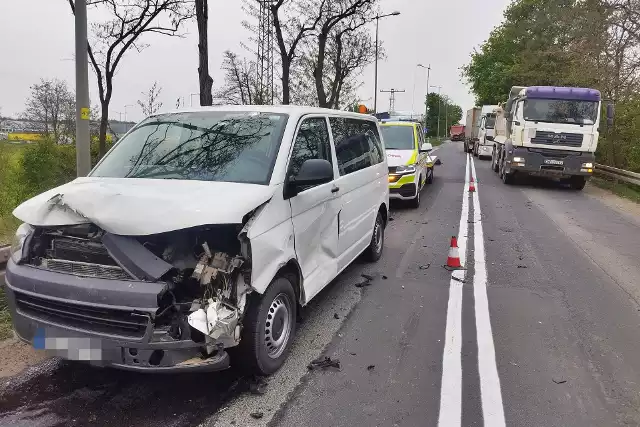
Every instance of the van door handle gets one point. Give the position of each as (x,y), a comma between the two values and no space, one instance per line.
(335,189)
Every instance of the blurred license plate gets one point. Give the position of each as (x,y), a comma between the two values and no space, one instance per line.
(553,162)
(73,348)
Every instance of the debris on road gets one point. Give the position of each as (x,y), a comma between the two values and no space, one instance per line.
(391,218)
(257,415)
(258,385)
(559,381)
(335,316)
(522,266)
(367,277)
(367,281)
(324,363)
(352,353)
(425,267)
(384,277)
(371,367)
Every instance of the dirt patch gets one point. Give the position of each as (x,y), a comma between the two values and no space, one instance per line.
(15,356)
(626,207)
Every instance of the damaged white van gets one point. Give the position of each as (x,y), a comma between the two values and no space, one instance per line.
(200,231)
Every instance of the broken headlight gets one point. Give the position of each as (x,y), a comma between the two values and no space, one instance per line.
(18,241)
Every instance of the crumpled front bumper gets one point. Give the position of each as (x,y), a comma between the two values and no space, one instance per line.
(100,321)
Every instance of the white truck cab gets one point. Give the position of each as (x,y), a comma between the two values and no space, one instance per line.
(483,147)
(549,131)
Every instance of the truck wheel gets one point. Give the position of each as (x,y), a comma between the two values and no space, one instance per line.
(269,328)
(475,150)
(494,160)
(578,182)
(508,178)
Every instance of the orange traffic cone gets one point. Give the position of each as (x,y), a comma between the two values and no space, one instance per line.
(453,261)
(472,185)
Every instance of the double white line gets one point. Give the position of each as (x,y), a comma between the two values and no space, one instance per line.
(451,389)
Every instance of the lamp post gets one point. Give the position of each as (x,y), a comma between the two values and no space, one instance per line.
(426,108)
(125,114)
(375,90)
(439,103)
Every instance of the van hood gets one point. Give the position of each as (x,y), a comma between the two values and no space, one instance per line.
(400,157)
(138,207)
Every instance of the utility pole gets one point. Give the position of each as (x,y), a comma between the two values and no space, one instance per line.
(83,155)
(375,89)
(392,97)
(426,107)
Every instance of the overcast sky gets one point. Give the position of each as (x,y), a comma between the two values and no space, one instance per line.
(37,41)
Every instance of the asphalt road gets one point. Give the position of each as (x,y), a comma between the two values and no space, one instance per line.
(541,329)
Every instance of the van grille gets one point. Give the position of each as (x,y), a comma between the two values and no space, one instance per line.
(85,269)
(95,319)
(554,138)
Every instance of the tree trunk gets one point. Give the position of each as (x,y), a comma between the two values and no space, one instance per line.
(206,82)
(318,72)
(286,90)
(104,121)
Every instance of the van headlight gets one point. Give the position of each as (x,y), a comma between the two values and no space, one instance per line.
(405,170)
(18,241)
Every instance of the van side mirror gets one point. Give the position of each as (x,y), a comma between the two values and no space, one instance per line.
(610,114)
(426,147)
(312,172)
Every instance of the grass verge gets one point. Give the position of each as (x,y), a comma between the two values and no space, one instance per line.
(6,330)
(622,189)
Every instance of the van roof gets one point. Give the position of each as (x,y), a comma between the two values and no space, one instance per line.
(292,110)
(397,123)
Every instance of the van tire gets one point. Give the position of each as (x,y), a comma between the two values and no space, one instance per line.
(255,351)
(374,251)
(415,202)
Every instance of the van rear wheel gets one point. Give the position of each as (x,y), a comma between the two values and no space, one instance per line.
(374,251)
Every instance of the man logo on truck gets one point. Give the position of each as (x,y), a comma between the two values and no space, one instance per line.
(560,136)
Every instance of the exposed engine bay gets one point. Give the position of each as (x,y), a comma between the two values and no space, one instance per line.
(205,270)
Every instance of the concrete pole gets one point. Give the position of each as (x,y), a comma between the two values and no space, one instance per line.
(83,153)
(375,78)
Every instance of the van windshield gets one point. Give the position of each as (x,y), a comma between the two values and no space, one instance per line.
(205,146)
(398,137)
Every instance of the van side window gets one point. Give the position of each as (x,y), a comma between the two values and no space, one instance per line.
(312,142)
(357,142)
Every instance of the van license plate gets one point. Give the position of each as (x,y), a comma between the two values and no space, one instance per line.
(553,162)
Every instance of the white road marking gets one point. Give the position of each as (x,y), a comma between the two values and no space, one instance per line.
(491,395)
(450,414)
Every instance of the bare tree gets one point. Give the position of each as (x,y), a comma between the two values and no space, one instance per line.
(240,85)
(149,102)
(206,82)
(112,38)
(339,21)
(52,104)
(291,28)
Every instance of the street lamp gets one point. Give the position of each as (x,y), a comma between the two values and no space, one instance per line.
(125,114)
(375,90)
(414,89)
(439,102)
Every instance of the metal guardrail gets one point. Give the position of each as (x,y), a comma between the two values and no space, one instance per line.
(621,174)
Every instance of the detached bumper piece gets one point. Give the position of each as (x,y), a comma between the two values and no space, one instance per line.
(405,191)
(104,322)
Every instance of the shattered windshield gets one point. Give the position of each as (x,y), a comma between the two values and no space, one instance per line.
(204,146)
(560,111)
(398,137)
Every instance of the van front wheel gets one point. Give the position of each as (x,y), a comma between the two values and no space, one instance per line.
(269,328)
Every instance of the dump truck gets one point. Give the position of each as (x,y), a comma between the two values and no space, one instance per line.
(548,131)
(456,133)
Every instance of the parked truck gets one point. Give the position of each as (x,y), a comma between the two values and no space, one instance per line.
(456,133)
(483,146)
(471,128)
(548,131)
